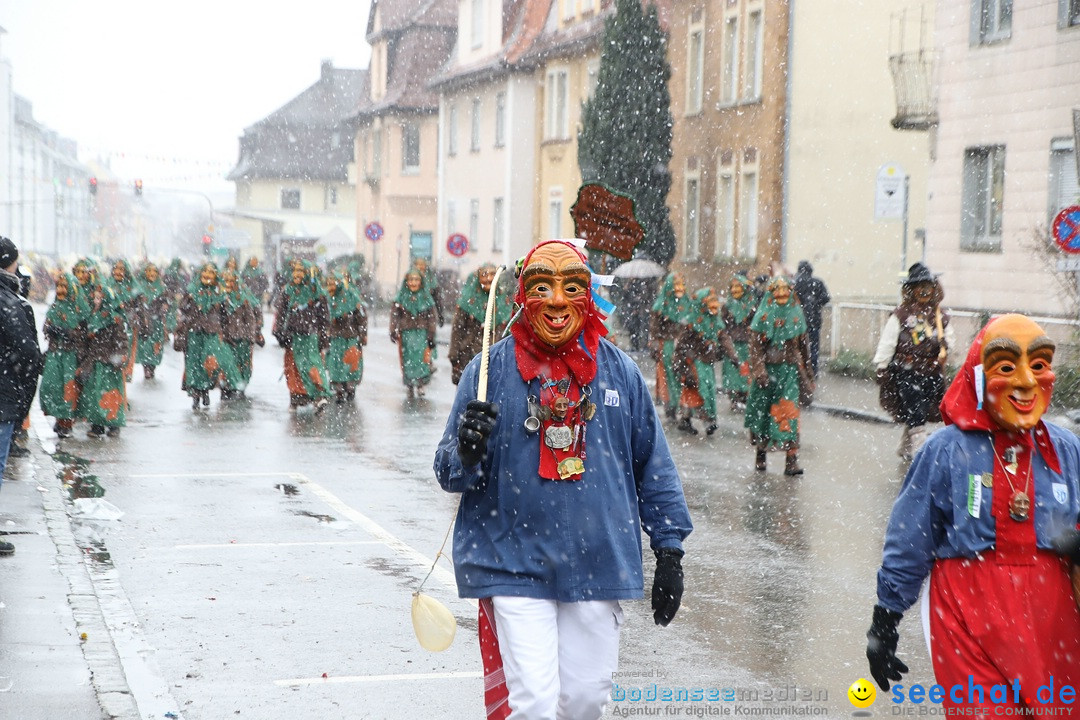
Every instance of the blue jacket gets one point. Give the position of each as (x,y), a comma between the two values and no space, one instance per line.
(522,536)
(936,514)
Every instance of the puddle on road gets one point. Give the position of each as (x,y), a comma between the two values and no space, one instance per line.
(287,489)
(317,516)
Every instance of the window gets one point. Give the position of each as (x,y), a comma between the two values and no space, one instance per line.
(555,214)
(474,134)
(692,226)
(1068,13)
(290,198)
(500,119)
(556,125)
(376,153)
(1064,189)
(497,225)
(725,210)
(592,77)
(752,66)
(991,20)
(748,220)
(983,198)
(568,9)
(477,23)
(451,216)
(451,131)
(695,62)
(331,197)
(410,149)
(729,60)
(474,223)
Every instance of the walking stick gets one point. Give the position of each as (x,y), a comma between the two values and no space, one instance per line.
(433,623)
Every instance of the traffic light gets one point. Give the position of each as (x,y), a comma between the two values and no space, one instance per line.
(207,241)
(93,186)
(138,188)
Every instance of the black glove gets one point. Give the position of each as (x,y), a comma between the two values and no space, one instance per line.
(881,647)
(667,586)
(431,344)
(1068,544)
(474,430)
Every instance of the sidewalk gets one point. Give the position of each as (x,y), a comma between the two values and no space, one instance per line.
(51,627)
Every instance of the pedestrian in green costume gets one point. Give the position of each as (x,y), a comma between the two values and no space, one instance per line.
(779,366)
(467,333)
(153,305)
(255,280)
(59,391)
(348,336)
(125,290)
(242,328)
(669,314)
(737,314)
(198,336)
(103,400)
(176,280)
(431,284)
(412,327)
(301,318)
(703,342)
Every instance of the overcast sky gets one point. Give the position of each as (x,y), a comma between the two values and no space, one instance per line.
(166,89)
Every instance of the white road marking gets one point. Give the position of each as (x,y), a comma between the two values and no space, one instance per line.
(379,678)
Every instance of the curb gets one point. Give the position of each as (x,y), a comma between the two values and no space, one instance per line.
(102,659)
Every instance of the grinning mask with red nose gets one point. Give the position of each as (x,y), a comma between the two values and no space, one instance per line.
(555,283)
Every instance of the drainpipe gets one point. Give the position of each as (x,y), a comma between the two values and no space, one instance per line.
(785,167)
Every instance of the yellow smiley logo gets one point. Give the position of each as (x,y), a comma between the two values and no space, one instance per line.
(861,693)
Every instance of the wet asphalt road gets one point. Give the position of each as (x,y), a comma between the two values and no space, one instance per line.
(265,560)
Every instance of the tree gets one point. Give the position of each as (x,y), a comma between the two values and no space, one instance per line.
(625,138)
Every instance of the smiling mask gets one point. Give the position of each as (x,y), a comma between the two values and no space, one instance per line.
(1016,359)
(556,283)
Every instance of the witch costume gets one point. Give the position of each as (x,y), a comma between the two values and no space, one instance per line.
(466,335)
(348,336)
(241,330)
(779,370)
(737,314)
(152,310)
(59,392)
(301,319)
(198,336)
(412,327)
(669,313)
(703,342)
(104,354)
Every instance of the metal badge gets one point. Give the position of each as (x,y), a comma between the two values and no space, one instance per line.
(558,437)
(988,480)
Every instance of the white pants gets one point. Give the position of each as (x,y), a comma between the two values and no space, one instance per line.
(558,657)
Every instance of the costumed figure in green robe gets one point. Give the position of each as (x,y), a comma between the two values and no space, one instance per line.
(241,330)
(59,392)
(198,336)
(301,319)
(153,307)
(125,289)
(431,283)
(737,313)
(176,279)
(255,280)
(85,271)
(703,342)
(779,370)
(412,327)
(104,354)
(348,336)
(467,333)
(666,320)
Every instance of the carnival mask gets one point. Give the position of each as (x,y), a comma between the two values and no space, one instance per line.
(1016,359)
(413,281)
(421,265)
(678,287)
(253,262)
(230,264)
(298,274)
(712,303)
(61,289)
(331,284)
(556,283)
(97,296)
(208,276)
(781,291)
(229,279)
(485,276)
(151,274)
(82,273)
(737,289)
(923,293)
(119,273)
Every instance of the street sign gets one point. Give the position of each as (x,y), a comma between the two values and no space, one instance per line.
(1067,229)
(373,231)
(890,193)
(457,244)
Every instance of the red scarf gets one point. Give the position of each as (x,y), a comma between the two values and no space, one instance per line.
(575,360)
(1015,541)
